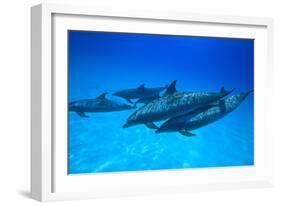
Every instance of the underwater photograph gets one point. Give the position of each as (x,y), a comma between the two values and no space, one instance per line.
(143,102)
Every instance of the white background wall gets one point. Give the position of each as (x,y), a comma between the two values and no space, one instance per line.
(15,95)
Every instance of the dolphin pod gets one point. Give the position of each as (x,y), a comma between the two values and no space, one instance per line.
(173,103)
(202,116)
(99,104)
(181,112)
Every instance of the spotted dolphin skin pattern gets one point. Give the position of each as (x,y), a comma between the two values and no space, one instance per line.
(140,92)
(203,116)
(172,103)
(99,104)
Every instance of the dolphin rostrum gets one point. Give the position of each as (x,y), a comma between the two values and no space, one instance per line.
(139,92)
(171,104)
(202,116)
(99,104)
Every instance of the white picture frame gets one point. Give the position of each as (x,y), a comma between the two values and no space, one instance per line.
(49,179)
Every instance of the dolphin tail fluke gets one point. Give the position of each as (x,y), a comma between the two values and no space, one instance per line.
(186,133)
(82,114)
(151,125)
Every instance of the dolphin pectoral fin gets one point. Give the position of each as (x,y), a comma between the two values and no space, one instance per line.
(130,101)
(151,125)
(82,114)
(186,133)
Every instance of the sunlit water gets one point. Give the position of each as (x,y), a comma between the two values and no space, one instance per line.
(106,62)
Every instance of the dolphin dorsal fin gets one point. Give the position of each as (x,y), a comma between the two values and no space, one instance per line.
(223,91)
(102,96)
(171,88)
(141,87)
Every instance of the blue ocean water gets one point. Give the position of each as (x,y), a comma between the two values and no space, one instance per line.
(107,62)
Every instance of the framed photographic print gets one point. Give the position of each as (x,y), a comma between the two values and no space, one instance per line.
(134,102)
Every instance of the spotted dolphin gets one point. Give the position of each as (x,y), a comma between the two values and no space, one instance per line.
(202,116)
(171,104)
(139,92)
(99,104)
